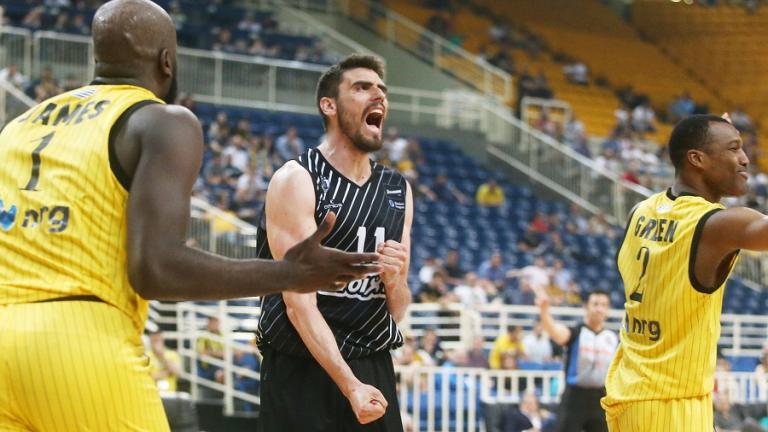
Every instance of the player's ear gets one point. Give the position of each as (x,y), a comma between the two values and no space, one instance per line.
(328,106)
(695,157)
(166,63)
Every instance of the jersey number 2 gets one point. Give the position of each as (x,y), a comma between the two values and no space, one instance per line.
(643,255)
(36,162)
(361,234)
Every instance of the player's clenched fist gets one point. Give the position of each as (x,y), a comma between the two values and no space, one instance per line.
(393,261)
(367,403)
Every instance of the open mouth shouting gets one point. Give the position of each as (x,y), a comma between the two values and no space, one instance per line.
(374,119)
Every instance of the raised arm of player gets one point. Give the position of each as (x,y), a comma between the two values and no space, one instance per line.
(162,146)
(290,217)
(558,332)
(395,264)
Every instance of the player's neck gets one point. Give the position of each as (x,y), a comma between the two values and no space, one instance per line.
(346,158)
(692,186)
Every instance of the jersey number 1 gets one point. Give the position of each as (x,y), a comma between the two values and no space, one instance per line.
(361,234)
(36,162)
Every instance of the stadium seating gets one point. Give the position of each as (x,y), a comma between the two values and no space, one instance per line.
(721,46)
(198,23)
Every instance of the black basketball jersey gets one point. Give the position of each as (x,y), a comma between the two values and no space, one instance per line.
(366,216)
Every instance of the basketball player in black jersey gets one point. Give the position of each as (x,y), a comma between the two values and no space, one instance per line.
(327,364)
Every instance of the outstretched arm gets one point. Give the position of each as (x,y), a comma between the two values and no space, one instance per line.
(167,145)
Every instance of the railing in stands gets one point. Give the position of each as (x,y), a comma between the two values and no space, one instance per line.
(433,398)
(435,50)
(13,102)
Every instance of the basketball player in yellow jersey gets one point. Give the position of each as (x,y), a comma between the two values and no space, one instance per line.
(679,248)
(94,205)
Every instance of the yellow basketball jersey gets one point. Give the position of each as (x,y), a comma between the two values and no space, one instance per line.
(672,323)
(62,209)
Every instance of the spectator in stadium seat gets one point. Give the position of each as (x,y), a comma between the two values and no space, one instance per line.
(33,20)
(431,348)
(237,153)
(249,24)
(529,412)
(534,279)
(494,271)
(395,146)
(471,292)
(742,121)
(489,194)
(476,356)
(643,118)
(45,87)
(261,155)
(537,346)
(681,107)
(79,26)
(164,363)
(510,343)
(223,41)
(250,193)
(247,360)
(599,226)
(62,23)
(435,290)
(12,75)
(446,191)
(289,145)
(211,347)
(726,418)
(452,267)
(577,73)
(219,128)
(428,269)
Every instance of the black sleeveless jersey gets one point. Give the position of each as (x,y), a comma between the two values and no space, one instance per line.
(366,216)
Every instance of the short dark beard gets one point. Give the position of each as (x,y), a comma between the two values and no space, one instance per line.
(173,90)
(355,135)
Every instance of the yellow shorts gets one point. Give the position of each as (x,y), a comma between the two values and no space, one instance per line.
(679,415)
(74,366)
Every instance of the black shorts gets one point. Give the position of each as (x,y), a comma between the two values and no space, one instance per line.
(580,410)
(297,395)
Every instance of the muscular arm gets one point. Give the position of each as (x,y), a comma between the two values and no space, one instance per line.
(725,232)
(167,144)
(290,217)
(399,294)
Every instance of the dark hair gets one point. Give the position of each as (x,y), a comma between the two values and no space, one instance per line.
(690,133)
(328,84)
(598,292)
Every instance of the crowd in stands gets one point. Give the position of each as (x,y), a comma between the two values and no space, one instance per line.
(237,30)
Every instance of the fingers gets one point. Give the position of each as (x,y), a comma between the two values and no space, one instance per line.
(324,228)
(358,258)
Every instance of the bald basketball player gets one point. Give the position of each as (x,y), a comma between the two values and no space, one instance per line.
(94,206)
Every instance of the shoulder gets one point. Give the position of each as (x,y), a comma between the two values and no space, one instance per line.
(292,174)
(165,116)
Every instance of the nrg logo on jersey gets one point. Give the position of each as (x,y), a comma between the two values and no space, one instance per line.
(54,220)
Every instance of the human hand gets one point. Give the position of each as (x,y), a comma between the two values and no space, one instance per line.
(367,402)
(394,260)
(319,267)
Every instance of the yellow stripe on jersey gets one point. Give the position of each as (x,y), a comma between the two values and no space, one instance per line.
(672,323)
(62,210)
